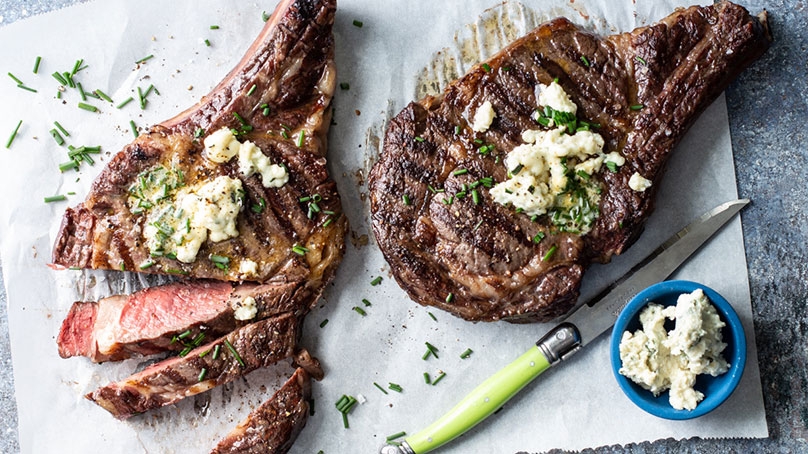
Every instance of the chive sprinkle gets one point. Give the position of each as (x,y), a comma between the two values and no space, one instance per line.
(380,387)
(438,378)
(69,165)
(146,265)
(103,95)
(323,323)
(395,387)
(19,82)
(636,107)
(358,23)
(460,172)
(366,302)
(359,311)
(63,130)
(207,42)
(449,297)
(57,137)
(641,60)
(251,90)
(406,199)
(27,88)
(265,16)
(432,316)
(427,380)
(301,137)
(214,27)
(466,353)
(432,349)
(419,139)
(585,60)
(396,435)
(134,128)
(234,352)
(125,102)
(88,107)
(549,253)
(36,64)
(55,198)
(344,86)
(486,67)
(299,250)
(216,351)
(59,78)
(13,135)
(144,59)
(203,373)
(376,281)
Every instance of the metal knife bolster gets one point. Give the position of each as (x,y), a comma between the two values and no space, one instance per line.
(560,343)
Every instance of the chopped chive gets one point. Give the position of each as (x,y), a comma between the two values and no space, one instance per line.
(539,236)
(251,90)
(27,88)
(81,91)
(57,137)
(77,67)
(432,349)
(146,265)
(125,102)
(63,130)
(299,250)
(486,67)
(460,172)
(376,281)
(344,86)
(457,129)
(13,134)
(475,195)
(395,387)
(214,27)
(65,166)
(419,139)
(477,225)
(406,199)
(641,60)
(585,60)
(549,253)
(59,78)
(466,353)
(380,387)
(636,107)
(449,297)
(216,351)
(184,334)
(301,137)
(517,169)
(134,128)
(396,435)
(203,354)
(55,198)
(144,59)
(366,302)
(438,378)
(36,64)
(427,380)
(358,23)
(323,323)
(103,95)
(266,111)
(19,82)
(612,166)
(265,16)
(234,352)
(359,311)
(88,107)
(432,316)
(203,373)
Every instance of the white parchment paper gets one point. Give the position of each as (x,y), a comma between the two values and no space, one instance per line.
(403,50)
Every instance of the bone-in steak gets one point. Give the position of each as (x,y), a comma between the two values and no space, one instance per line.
(451,246)
(137,216)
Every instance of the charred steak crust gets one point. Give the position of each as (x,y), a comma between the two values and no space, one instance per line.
(290,70)
(274,425)
(257,345)
(479,261)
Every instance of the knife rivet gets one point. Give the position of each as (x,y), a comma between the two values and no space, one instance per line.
(487,399)
(532,363)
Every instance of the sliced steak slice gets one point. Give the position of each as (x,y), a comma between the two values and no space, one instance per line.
(279,99)
(274,425)
(221,361)
(484,261)
(171,317)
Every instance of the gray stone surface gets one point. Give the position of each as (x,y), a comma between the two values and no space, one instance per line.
(768,108)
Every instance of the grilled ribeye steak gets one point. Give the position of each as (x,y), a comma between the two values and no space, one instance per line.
(249,348)
(169,317)
(274,425)
(450,245)
(170,192)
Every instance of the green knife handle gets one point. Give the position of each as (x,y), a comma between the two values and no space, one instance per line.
(491,394)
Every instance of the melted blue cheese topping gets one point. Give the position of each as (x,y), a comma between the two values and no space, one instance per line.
(222,146)
(552,172)
(178,224)
(659,360)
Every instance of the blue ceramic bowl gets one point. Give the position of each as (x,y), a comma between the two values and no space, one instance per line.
(716,389)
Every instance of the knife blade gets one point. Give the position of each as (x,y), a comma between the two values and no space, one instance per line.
(583,326)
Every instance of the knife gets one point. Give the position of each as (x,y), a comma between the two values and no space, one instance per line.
(582,327)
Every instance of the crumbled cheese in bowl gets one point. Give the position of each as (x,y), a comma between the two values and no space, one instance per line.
(660,360)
